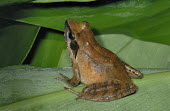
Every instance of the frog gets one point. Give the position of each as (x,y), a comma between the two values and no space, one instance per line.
(105,75)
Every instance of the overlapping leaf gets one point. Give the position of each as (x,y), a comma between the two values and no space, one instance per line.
(152,55)
(49,49)
(137,53)
(9,2)
(146,20)
(50,1)
(142,19)
(16,40)
(127,17)
(20,83)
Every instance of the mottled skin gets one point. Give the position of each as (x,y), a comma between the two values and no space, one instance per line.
(106,77)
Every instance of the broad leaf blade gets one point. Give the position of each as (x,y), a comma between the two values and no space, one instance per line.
(135,52)
(50,1)
(133,18)
(16,40)
(153,92)
(23,82)
(9,2)
(153,28)
(20,83)
(49,49)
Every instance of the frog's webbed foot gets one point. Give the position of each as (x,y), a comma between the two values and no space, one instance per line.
(107,91)
(68,81)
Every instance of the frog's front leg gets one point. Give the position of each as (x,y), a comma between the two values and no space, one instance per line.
(133,73)
(106,91)
(74,81)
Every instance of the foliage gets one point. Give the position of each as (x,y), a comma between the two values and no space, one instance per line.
(130,17)
(31,32)
(34,88)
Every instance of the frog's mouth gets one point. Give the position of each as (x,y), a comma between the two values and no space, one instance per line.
(70,40)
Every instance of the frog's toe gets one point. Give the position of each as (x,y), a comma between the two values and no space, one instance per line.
(59,79)
(79,97)
(63,78)
(77,93)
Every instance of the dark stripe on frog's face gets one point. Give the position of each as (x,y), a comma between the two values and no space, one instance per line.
(74,46)
(70,40)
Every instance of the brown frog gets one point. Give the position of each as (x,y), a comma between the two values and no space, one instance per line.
(106,77)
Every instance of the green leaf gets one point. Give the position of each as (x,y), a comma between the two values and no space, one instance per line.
(142,19)
(154,28)
(50,1)
(21,83)
(127,17)
(49,49)
(9,2)
(53,52)
(65,59)
(139,54)
(16,40)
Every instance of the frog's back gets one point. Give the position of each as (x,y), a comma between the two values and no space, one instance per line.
(100,68)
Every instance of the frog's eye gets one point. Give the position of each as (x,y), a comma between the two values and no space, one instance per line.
(71,36)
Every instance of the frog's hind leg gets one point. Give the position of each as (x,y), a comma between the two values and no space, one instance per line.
(133,73)
(108,91)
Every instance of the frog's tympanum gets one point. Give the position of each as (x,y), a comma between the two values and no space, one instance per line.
(106,77)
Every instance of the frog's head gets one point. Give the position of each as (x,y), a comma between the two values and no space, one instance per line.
(74,34)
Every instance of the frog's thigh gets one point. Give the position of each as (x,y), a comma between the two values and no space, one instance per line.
(108,91)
